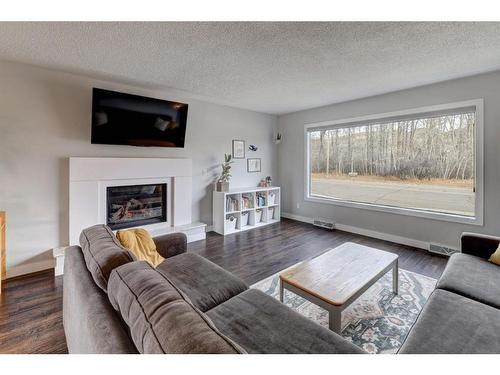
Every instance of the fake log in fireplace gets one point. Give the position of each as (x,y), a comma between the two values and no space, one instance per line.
(131,206)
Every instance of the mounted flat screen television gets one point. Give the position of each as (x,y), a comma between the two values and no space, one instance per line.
(125,119)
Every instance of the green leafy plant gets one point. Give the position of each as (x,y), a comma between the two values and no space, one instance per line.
(226,169)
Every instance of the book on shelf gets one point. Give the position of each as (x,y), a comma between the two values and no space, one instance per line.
(247,201)
(261,199)
(232,204)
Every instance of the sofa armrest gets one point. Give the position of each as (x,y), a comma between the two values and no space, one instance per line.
(171,244)
(480,245)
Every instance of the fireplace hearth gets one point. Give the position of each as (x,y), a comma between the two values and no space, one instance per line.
(136,205)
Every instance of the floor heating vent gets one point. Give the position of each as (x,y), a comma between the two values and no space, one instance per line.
(323,223)
(443,250)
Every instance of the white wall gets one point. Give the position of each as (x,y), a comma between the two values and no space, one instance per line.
(291,159)
(45,118)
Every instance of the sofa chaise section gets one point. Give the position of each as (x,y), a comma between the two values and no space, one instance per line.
(470,274)
(452,324)
(205,283)
(472,277)
(261,324)
(462,314)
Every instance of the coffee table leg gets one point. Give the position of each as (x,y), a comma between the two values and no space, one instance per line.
(395,278)
(335,320)
(281,291)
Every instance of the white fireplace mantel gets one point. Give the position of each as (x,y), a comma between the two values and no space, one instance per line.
(89,177)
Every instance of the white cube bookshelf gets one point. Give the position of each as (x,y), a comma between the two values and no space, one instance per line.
(247,208)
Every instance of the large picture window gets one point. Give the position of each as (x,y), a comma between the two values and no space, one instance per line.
(416,161)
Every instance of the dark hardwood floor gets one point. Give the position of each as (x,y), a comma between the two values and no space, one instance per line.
(31,315)
(259,253)
(31,306)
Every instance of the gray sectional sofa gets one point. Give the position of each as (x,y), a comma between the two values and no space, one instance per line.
(114,304)
(462,314)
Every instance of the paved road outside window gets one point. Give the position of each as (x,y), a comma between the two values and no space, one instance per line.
(439,198)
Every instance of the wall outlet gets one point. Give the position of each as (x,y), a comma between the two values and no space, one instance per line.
(298,205)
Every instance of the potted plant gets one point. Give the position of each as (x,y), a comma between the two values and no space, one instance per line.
(223,182)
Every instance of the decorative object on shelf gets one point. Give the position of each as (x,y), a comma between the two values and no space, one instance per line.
(238,149)
(223,182)
(247,201)
(253,165)
(278,138)
(253,148)
(261,199)
(232,204)
(266,182)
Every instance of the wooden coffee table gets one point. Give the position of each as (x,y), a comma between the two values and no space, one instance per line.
(338,277)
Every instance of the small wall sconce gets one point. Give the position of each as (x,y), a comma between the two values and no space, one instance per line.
(278,138)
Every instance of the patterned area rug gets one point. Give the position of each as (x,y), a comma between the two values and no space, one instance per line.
(378,321)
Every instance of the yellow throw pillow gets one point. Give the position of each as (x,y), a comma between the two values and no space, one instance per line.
(495,257)
(140,243)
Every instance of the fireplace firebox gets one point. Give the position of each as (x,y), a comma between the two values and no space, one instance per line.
(136,205)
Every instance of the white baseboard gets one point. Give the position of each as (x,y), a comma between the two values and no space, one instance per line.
(297,217)
(25,269)
(366,232)
(384,236)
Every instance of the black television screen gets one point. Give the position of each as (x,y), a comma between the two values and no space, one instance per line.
(125,119)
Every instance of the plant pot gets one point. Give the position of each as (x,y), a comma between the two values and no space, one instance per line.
(223,186)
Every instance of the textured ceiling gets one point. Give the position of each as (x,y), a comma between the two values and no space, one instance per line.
(269,67)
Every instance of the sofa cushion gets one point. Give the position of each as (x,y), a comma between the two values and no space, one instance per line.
(171,244)
(159,317)
(102,253)
(205,283)
(91,325)
(472,277)
(261,324)
(450,323)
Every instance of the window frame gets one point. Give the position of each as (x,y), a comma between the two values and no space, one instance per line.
(477,219)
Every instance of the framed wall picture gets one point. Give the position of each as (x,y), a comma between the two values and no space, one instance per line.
(238,149)
(253,165)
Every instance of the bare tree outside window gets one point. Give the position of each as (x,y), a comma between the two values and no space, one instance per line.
(425,164)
